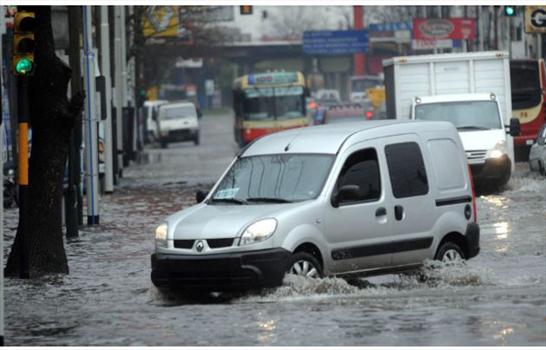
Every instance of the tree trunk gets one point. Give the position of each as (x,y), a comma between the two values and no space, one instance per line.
(52,117)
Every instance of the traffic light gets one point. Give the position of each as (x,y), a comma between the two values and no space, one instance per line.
(24,25)
(245,10)
(509,11)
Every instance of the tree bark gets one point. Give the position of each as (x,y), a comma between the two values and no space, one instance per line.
(52,118)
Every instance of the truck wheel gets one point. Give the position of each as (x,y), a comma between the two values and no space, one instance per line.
(450,252)
(304,264)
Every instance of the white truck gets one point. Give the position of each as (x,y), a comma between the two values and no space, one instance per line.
(471,90)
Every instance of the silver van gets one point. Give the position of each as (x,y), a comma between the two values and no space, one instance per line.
(350,199)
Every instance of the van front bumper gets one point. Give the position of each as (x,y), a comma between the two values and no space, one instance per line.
(219,272)
(494,170)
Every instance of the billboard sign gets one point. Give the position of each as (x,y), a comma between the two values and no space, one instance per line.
(444,28)
(335,42)
(390,27)
(535,19)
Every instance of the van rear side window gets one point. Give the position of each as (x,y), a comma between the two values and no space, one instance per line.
(448,168)
(406,169)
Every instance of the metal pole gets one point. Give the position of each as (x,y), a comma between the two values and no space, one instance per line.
(73,200)
(119,88)
(22,163)
(2,30)
(481,33)
(127,152)
(105,67)
(91,142)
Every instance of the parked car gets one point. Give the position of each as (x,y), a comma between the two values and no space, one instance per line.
(537,155)
(350,199)
(178,122)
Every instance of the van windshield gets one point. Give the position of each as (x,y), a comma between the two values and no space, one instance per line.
(178,112)
(465,115)
(278,178)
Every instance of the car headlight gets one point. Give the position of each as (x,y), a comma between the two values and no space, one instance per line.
(161,235)
(498,151)
(258,231)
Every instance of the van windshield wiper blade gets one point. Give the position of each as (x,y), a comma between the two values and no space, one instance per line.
(471,127)
(229,200)
(268,200)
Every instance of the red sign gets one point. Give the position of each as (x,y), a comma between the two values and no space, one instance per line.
(444,28)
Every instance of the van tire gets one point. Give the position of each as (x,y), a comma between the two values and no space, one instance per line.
(449,251)
(302,264)
(163,144)
(196,140)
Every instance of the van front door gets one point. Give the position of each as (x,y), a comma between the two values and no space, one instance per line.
(356,221)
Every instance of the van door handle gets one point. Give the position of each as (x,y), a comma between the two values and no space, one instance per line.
(380,212)
(398,212)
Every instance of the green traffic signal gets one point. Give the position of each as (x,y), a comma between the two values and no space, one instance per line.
(509,11)
(23,66)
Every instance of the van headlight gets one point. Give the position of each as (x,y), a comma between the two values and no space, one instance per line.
(498,151)
(161,235)
(258,231)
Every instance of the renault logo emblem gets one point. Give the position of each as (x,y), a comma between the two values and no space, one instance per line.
(199,246)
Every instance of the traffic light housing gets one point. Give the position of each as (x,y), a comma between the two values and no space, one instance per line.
(245,10)
(509,11)
(24,25)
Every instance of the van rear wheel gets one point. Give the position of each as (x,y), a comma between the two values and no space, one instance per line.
(305,264)
(450,252)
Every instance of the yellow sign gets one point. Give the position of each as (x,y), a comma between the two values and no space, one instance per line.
(161,21)
(376,96)
(535,19)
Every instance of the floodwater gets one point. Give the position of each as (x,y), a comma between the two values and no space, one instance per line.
(497,298)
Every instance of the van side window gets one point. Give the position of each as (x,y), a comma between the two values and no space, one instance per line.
(362,169)
(406,169)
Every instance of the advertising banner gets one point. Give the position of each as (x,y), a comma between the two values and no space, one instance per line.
(444,28)
(335,42)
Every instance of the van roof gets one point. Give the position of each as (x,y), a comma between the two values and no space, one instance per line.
(329,138)
(177,104)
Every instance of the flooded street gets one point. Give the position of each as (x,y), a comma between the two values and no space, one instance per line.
(497,298)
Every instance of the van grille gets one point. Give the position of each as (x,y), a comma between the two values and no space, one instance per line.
(476,154)
(183,243)
(212,243)
(220,242)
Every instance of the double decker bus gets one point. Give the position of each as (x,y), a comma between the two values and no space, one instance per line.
(528,82)
(268,102)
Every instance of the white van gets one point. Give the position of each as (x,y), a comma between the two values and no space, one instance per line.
(178,122)
(479,121)
(350,199)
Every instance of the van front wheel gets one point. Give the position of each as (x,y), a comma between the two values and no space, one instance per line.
(305,264)
(450,252)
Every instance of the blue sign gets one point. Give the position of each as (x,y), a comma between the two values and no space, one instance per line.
(335,42)
(390,27)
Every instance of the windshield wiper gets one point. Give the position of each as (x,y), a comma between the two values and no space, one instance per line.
(268,200)
(471,127)
(229,200)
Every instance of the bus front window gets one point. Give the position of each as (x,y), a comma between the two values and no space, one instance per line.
(258,104)
(289,102)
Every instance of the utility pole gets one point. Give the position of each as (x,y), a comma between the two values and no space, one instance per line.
(125,114)
(359,59)
(73,200)
(105,68)
(90,125)
(118,82)
(2,31)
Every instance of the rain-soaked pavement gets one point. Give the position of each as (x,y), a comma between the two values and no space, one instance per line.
(497,298)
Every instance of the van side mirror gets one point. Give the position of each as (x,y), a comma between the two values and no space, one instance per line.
(200,196)
(347,193)
(515,128)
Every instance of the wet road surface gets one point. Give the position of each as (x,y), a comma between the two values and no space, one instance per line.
(497,298)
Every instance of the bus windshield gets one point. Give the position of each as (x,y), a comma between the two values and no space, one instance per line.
(273,103)
(465,115)
(525,84)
